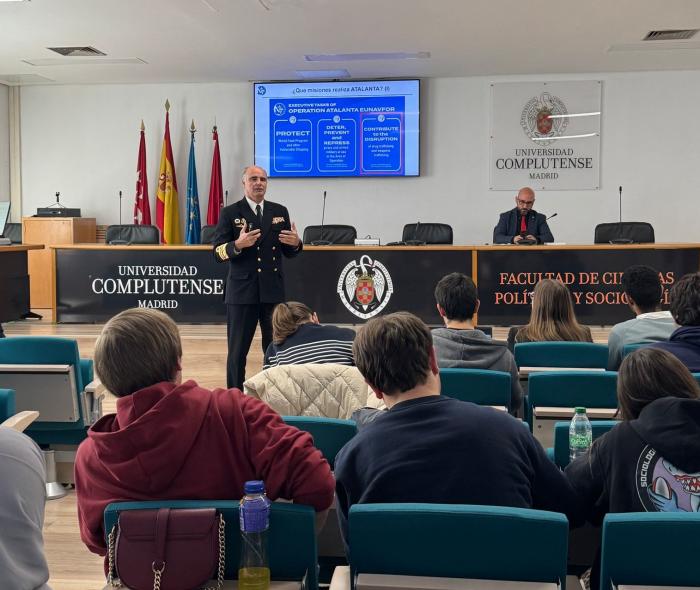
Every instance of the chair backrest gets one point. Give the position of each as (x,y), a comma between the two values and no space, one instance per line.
(458,541)
(627,348)
(650,549)
(53,366)
(486,388)
(13,232)
(573,388)
(291,539)
(133,234)
(561,438)
(329,434)
(585,355)
(335,234)
(640,232)
(430,233)
(7,404)
(208,234)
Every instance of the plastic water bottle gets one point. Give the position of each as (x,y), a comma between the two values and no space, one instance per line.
(254,569)
(580,434)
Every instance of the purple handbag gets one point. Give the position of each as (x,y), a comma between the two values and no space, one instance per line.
(164,549)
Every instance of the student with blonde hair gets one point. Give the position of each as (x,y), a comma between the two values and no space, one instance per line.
(552,317)
(298,338)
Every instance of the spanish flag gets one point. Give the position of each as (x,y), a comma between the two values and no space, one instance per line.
(167,206)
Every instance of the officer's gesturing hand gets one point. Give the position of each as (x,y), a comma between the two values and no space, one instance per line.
(246,238)
(290,237)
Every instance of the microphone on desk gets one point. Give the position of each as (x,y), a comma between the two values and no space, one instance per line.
(621,240)
(414,241)
(322,242)
(225,197)
(552,215)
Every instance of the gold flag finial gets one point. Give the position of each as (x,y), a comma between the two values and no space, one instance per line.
(167,105)
(143,127)
(192,127)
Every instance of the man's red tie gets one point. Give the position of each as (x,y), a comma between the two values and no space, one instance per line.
(523,225)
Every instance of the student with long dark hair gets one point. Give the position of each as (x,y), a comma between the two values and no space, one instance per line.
(299,338)
(650,462)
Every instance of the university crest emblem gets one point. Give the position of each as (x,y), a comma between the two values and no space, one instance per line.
(537,122)
(365,287)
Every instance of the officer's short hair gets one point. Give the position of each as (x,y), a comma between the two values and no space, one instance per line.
(137,348)
(393,352)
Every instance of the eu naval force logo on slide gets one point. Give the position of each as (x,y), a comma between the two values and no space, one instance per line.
(365,287)
(542,119)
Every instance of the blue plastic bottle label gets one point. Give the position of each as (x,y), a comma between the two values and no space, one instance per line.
(255,515)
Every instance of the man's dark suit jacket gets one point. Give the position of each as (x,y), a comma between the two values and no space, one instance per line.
(509,226)
(256,274)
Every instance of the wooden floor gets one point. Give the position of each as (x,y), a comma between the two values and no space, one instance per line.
(71,565)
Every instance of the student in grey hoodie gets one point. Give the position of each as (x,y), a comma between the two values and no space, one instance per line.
(462,346)
(22,497)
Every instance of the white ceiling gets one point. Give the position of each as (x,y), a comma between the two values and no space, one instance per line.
(238,40)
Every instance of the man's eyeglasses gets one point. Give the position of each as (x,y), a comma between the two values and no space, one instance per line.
(525,203)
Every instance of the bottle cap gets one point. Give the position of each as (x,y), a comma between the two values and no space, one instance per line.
(580,410)
(254,487)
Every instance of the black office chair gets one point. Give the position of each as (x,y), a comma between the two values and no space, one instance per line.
(13,232)
(630,232)
(132,234)
(335,234)
(427,233)
(208,234)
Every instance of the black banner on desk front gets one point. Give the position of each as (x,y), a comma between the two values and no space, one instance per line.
(506,279)
(93,285)
(350,286)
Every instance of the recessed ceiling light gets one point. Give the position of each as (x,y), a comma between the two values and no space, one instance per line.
(367,56)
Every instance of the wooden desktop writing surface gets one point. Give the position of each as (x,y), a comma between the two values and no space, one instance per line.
(47,231)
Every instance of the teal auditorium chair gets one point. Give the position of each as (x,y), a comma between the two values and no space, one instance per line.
(584,355)
(479,386)
(329,434)
(553,396)
(632,347)
(458,541)
(291,538)
(48,376)
(650,549)
(560,453)
(46,350)
(7,404)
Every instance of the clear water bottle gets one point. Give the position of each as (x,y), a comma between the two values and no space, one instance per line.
(580,434)
(254,569)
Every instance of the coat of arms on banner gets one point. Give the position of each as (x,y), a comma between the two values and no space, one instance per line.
(536,118)
(365,287)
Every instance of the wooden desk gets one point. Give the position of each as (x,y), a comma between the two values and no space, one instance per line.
(403,278)
(14,281)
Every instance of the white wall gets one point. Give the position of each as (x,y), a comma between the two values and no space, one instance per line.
(4,145)
(83,141)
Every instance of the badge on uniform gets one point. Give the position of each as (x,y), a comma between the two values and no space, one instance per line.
(278,220)
(239,223)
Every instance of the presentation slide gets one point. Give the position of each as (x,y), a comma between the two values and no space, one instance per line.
(338,128)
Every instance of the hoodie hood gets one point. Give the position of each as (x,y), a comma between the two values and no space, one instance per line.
(667,421)
(469,349)
(687,334)
(145,444)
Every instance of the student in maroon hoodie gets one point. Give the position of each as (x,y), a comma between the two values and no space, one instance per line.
(174,440)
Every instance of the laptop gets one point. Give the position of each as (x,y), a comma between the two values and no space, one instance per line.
(4,216)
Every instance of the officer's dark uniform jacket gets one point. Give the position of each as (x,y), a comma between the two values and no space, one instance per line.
(256,273)
(509,226)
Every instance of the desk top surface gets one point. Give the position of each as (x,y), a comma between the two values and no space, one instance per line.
(21,247)
(485,247)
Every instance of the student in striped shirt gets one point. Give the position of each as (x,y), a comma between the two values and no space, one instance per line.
(298,338)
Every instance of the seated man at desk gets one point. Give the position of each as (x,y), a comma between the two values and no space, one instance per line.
(522,222)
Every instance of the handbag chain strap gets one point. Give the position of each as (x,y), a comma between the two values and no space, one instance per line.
(114,582)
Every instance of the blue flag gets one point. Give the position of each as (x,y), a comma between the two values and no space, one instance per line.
(193,233)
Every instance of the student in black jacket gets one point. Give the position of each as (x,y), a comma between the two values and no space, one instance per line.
(650,462)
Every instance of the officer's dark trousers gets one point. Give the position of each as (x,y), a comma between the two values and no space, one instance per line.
(241,323)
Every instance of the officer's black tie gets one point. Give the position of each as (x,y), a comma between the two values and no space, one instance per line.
(258,212)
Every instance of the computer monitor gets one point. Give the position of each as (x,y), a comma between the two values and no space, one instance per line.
(4,215)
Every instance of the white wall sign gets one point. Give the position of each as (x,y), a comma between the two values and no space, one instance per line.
(545,135)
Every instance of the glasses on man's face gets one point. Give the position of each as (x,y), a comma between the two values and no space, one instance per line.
(525,203)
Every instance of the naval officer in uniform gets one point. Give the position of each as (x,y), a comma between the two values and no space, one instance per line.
(252,236)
